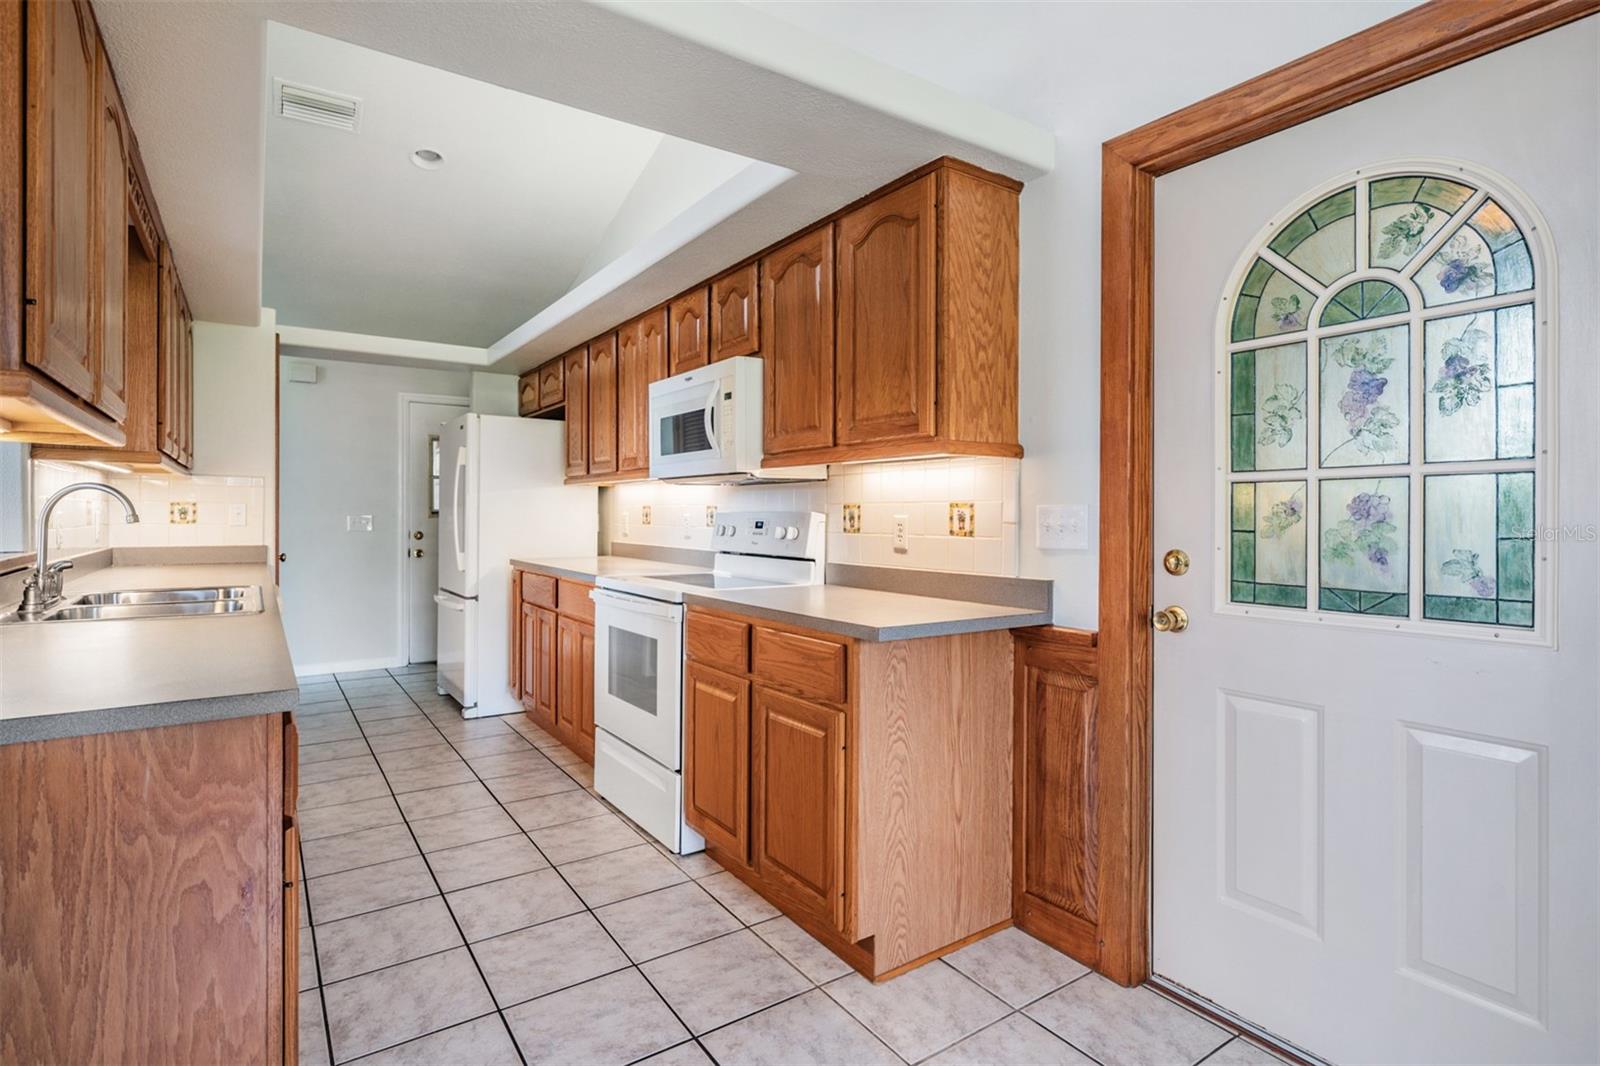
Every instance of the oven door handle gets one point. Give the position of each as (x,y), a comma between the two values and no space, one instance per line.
(670,612)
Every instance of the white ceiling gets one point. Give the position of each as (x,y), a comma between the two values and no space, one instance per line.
(725,75)
(358,239)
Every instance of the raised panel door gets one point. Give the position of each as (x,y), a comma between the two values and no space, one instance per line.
(575,371)
(63,51)
(887,316)
(603,405)
(799,807)
(528,393)
(186,388)
(797,286)
(111,394)
(641,359)
(716,757)
(691,335)
(551,388)
(168,361)
(545,677)
(735,314)
(526,670)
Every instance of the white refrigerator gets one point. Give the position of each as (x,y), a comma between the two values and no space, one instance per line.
(501,497)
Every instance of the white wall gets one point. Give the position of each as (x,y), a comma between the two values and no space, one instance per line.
(341,456)
(234,435)
(1088,71)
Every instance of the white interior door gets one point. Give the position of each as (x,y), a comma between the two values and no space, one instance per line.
(1375,819)
(421,476)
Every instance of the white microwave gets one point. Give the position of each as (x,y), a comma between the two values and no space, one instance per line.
(706,426)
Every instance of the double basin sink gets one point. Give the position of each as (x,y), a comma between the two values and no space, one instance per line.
(148,603)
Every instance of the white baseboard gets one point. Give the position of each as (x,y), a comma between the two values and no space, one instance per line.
(349,666)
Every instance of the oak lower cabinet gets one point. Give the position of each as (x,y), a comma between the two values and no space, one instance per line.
(554,676)
(151,895)
(863,788)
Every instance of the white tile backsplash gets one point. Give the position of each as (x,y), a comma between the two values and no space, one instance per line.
(80,522)
(922,490)
(213,497)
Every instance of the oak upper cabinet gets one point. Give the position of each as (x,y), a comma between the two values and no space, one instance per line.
(641,359)
(575,372)
(552,378)
(887,316)
(689,319)
(735,314)
(63,126)
(716,754)
(797,316)
(111,385)
(603,405)
(169,361)
(528,393)
(799,810)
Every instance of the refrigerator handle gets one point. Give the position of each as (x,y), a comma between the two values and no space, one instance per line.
(450,603)
(458,505)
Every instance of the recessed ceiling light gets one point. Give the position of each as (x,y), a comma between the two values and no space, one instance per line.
(427,159)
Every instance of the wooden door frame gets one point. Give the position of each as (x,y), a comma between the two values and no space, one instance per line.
(1413,45)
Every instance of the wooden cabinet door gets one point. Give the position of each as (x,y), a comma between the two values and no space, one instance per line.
(641,359)
(526,670)
(688,317)
(797,312)
(168,360)
(63,125)
(186,387)
(514,656)
(111,388)
(716,757)
(547,673)
(528,393)
(887,316)
(735,314)
(552,391)
(603,405)
(799,808)
(575,371)
(575,677)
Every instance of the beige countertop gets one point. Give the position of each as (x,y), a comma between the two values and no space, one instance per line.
(590,567)
(868,614)
(62,679)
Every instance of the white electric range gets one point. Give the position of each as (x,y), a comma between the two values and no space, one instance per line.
(638,652)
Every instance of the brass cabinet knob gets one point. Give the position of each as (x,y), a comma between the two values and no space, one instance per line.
(416,534)
(1176,562)
(1172,619)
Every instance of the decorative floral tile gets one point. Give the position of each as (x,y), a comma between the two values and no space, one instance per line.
(852,518)
(963,519)
(183,513)
(644,515)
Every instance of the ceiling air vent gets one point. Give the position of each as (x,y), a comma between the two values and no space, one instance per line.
(317,106)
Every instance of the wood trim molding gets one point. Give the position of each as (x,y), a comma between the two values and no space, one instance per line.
(1422,41)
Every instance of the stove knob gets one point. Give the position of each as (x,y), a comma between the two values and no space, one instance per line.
(791,532)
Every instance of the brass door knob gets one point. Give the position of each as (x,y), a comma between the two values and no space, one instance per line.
(1172,619)
(416,534)
(415,553)
(283,557)
(1176,562)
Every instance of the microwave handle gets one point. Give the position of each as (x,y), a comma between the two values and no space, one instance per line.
(711,417)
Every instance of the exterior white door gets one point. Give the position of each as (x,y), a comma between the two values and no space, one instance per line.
(421,470)
(1375,828)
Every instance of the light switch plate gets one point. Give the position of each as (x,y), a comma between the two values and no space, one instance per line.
(1061,527)
(236,514)
(358,523)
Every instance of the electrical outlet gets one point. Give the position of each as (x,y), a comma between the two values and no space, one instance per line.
(902,542)
(236,514)
(1061,527)
(687,519)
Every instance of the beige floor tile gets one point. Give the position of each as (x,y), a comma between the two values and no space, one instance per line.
(531,785)
(579,840)
(1126,1025)
(499,744)
(323,728)
(664,921)
(618,875)
(472,729)
(480,1042)
(411,740)
(567,806)
(617,1018)
(388,1007)
(498,907)
(372,941)
(432,802)
(487,860)
(396,720)
(687,1053)
(920,1012)
(433,753)
(313,1037)
(532,962)
(518,762)
(810,1030)
(342,790)
(462,827)
(738,897)
(564,756)
(334,769)
(348,851)
(307,953)
(370,888)
(1012,1039)
(1016,967)
(335,749)
(714,983)
(347,818)
(582,773)
(418,778)
(305,905)
(310,709)
(1240,1052)
(804,951)
(698,864)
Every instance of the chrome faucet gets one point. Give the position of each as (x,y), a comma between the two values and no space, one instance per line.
(43,590)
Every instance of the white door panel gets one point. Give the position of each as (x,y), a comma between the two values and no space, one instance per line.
(424,422)
(1375,838)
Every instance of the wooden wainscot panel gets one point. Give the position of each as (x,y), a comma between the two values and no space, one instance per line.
(735,314)
(1058,794)
(717,640)
(810,666)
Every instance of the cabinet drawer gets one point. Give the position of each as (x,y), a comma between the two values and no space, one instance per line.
(720,642)
(810,666)
(574,602)
(539,589)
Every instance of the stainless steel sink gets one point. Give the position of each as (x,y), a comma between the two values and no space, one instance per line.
(149,603)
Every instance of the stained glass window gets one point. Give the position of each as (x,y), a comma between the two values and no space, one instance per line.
(1383,457)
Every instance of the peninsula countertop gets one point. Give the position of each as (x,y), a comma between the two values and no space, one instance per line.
(61,679)
(867,614)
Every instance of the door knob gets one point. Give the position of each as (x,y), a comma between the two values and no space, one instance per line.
(416,534)
(283,557)
(415,553)
(1176,562)
(1173,619)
